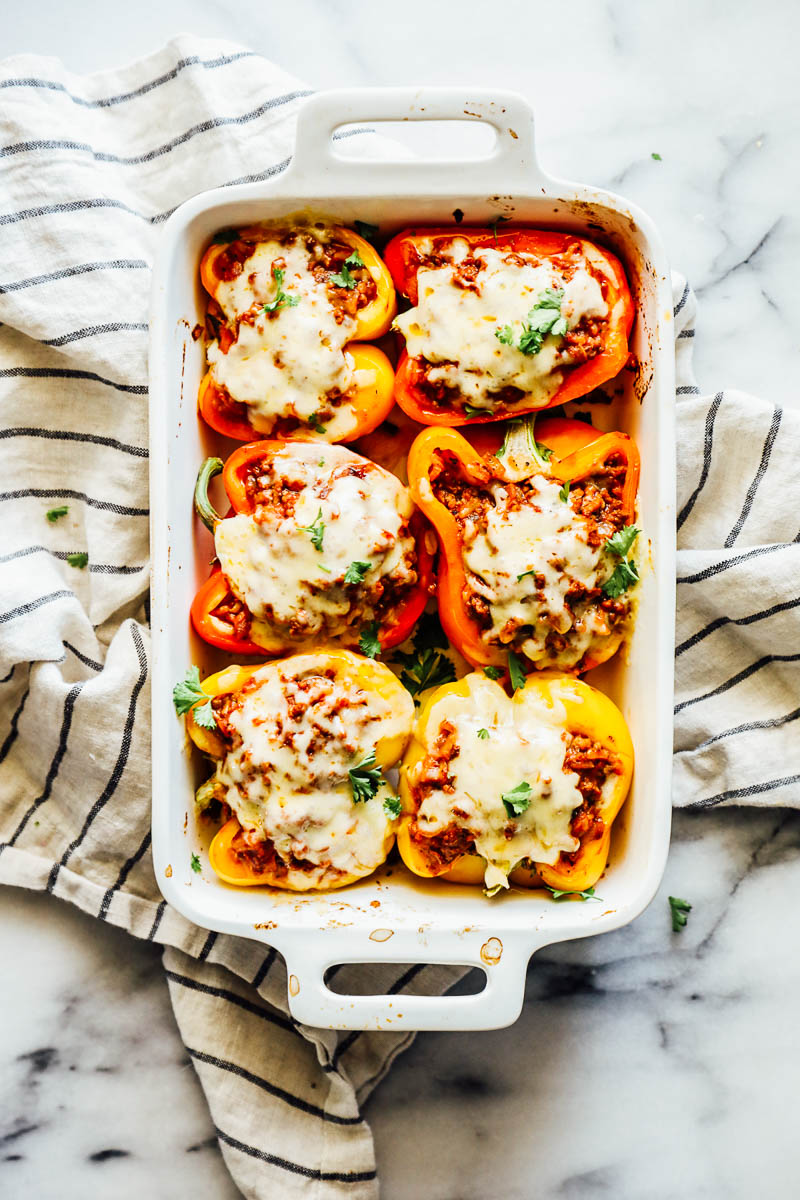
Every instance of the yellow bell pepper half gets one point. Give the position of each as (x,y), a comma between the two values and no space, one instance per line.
(588,712)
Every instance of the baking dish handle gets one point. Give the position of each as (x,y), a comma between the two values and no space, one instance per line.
(313,1003)
(510,166)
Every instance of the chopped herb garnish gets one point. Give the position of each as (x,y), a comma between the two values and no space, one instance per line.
(78,560)
(564,492)
(185,696)
(194,862)
(322,567)
(483,734)
(425,669)
(53,514)
(356,571)
(224,237)
(518,800)
(516,670)
(393,807)
(505,334)
(471,411)
(679,910)
(316,531)
(282,298)
(365,779)
(314,423)
(621,579)
(587,894)
(365,230)
(321,462)
(345,277)
(369,642)
(655,155)
(543,319)
(493,672)
(532,571)
(493,225)
(622,540)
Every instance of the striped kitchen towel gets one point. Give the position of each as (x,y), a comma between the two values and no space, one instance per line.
(91,167)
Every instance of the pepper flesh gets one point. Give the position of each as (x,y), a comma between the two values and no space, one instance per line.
(579,450)
(216,589)
(352,669)
(588,712)
(370,401)
(402,258)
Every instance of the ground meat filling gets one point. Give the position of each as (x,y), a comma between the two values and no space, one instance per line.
(272,495)
(597,499)
(592,762)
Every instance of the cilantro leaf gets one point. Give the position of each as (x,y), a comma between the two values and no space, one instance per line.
(316,531)
(622,578)
(393,807)
(516,670)
(493,672)
(204,716)
(505,334)
(345,277)
(621,542)
(532,571)
(194,863)
(425,669)
(655,155)
(356,571)
(188,691)
(314,423)
(53,514)
(78,560)
(679,910)
(483,734)
(282,299)
(587,894)
(369,642)
(224,237)
(518,800)
(365,230)
(564,493)
(543,319)
(365,779)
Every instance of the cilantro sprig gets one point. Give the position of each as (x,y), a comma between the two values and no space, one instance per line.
(369,643)
(621,542)
(393,807)
(493,672)
(516,670)
(345,278)
(543,319)
(483,734)
(356,572)
(54,514)
(559,894)
(316,531)
(282,298)
(679,910)
(314,423)
(365,779)
(80,559)
(518,800)
(185,696)
(564,492)
(195,864)
(626,572)
(425,669)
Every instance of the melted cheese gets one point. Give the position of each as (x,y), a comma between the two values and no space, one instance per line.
(455,326)
(273,565)
(526,744)
(284,364)
(286,776)
(550,539)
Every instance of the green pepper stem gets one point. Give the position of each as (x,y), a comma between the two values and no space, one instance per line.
(205,509)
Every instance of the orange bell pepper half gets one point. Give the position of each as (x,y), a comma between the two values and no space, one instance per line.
(215,609)
(371,398)
(402,257)
(579,451)
(587,712)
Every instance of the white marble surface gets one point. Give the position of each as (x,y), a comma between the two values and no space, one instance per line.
(646,1065)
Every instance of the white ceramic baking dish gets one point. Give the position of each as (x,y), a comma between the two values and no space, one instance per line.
(394,916)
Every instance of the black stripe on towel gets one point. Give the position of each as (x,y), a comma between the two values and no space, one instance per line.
(119,766)
(747,727)
(55,764)
(686,333)
(272,1089)
(32,605)
(759,475)
(71,435)
(122,510)
(720,622)
(208,946)
(295,1168)
(220,993)
(84,658)
(157,920)
(682,301)
(6,678)
(114,264)
(63,555)
(707,448)
(263,970)
(159,151)
(739,678)
(53,85)
(134,389)
(125,871)
(717,568)
(78,335)
(753,789)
